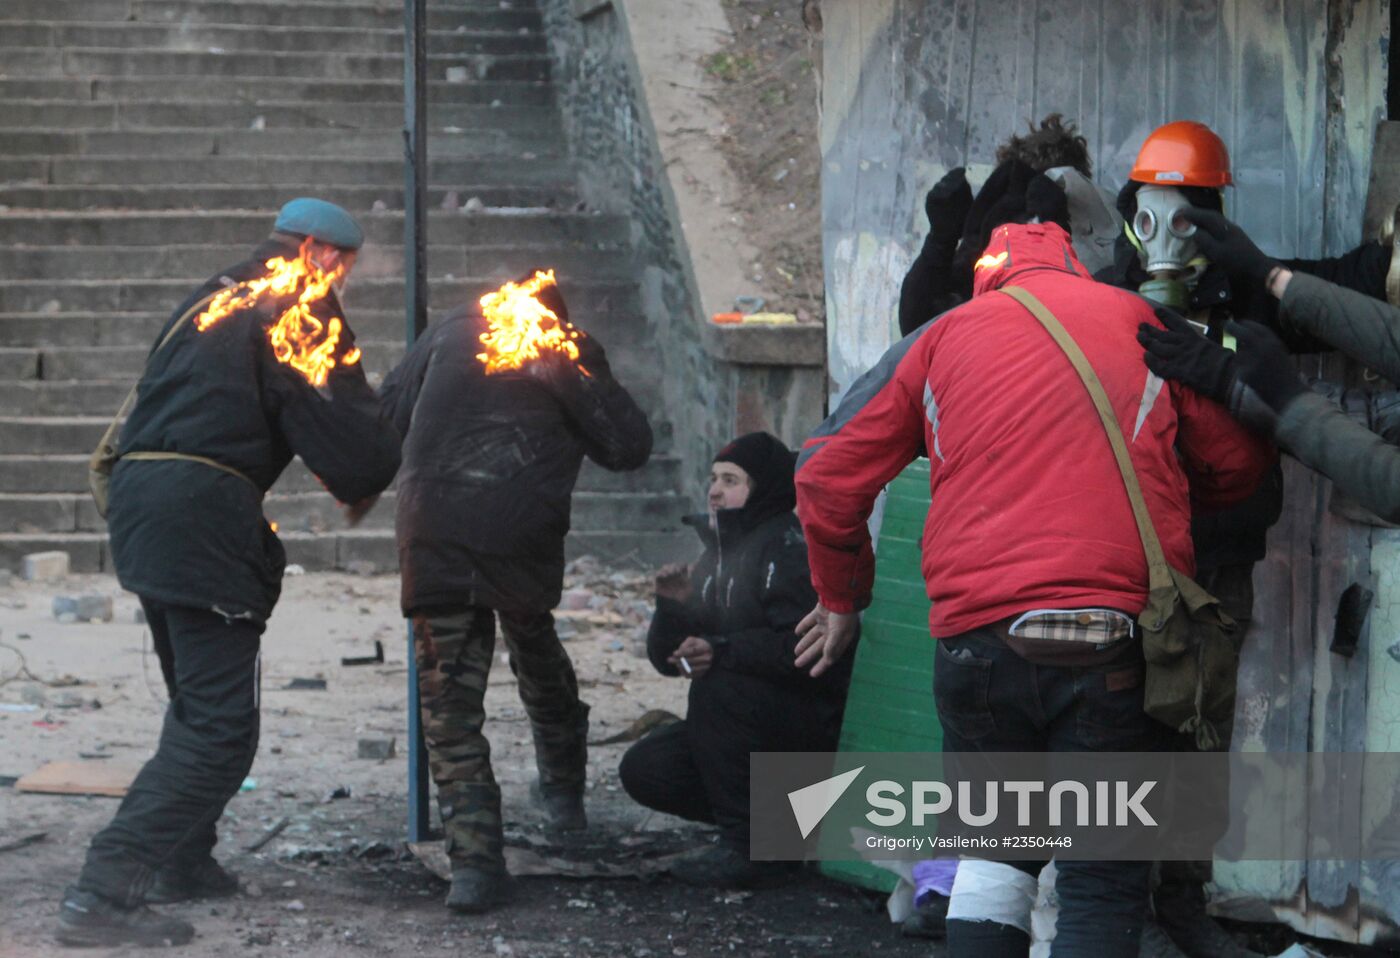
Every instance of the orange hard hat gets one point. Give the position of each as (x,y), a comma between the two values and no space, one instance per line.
(1183,153)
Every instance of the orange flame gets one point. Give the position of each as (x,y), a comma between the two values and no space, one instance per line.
(990,262)
(519,328)
(299,339)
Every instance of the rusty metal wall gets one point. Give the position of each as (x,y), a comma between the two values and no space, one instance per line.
(1295,88)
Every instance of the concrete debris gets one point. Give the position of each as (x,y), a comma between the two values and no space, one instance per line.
(473,205)
(43,566)
(457,75)
(259,123)
(91,607)
(295,905)
(295,569)
(450,201)
(340,791)
(378,749)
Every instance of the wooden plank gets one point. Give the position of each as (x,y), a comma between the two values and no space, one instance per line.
(79,778)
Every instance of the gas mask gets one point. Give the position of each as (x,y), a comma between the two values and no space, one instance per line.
(1166,246)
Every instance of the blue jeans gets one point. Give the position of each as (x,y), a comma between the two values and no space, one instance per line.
(990,699)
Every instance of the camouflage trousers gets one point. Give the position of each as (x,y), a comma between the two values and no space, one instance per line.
(454,649)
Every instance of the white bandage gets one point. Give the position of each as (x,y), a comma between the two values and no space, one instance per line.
(991,891)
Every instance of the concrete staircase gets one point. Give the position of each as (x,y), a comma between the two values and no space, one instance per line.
(145,144)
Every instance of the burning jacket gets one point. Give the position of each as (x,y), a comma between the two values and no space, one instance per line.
(189,534)
(490,463)
(749,589)
(1028,507)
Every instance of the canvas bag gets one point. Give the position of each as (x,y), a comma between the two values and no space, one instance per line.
(104,458)
(1188,642)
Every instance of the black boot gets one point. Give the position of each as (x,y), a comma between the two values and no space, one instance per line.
(928,920)
(1180,906)
(563,808)
(175,883)
(725,866)
(475,890)
(86,920)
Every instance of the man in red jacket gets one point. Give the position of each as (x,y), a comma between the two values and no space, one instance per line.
(1031,554)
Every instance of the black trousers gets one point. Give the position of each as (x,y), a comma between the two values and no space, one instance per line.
(698,769)
(206,748)
(990,699)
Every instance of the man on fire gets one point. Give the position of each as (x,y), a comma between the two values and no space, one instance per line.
(256,367)
(498,407)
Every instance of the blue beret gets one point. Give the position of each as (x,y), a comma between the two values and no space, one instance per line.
(321,221)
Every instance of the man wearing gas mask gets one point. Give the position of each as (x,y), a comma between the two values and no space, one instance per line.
(1176,183)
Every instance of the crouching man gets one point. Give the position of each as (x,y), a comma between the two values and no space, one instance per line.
(727,624)
(498,408)
(255,367)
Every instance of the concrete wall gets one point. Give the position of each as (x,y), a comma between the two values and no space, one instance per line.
(912,88)
(717,386)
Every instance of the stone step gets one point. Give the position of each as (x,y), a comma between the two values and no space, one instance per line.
(317,512)
(66,473)
(338,14)
(542,141)
(155,295)
(286,172)
(203,38)
(55,334)
(236,91)
(245,228)
(268,200)
(84,114)
(89,552)
(155,62)
(38,398)
(64,364)
(596,261)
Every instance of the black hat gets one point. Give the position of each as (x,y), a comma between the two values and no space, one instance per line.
(770,465)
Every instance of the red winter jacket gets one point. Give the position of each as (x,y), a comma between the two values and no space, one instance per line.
(1028,508)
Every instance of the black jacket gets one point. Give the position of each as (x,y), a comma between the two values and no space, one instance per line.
(749,589)
(188,534)
(490,464)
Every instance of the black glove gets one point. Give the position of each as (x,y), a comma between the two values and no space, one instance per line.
(1225,243)
(1264,364)
(947,205)
(1181,353)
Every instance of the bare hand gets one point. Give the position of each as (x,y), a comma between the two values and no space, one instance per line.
(823,637)
(356,511)
(673,582)
(699,655)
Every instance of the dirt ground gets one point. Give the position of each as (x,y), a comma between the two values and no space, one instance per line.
(338,880)
(768,79)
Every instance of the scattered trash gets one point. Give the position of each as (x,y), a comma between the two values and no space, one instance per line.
(268,835)
(42,566)
(375,851)
(94,755)
(615,646)
(575,600)
(473,205)
(340,791)
(82,608)
(380,749)
(579,903)
(749,304)
(249,784)
(26,841)
(294,569)
(450,201)
(361,567)
(456,74)
(18,707)
(49,726)
(306,685)
(259,123)
(640,726)
(294,905)
(523,862)
(379,207)
(79,778)
(376,659)
(499,946)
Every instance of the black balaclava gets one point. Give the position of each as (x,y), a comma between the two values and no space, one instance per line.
(770,466)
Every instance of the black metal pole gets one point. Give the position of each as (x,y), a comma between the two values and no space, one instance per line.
(415,271)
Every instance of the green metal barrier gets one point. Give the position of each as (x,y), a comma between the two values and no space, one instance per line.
(890,704)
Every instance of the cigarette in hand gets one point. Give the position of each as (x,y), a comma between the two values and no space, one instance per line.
(686,665)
